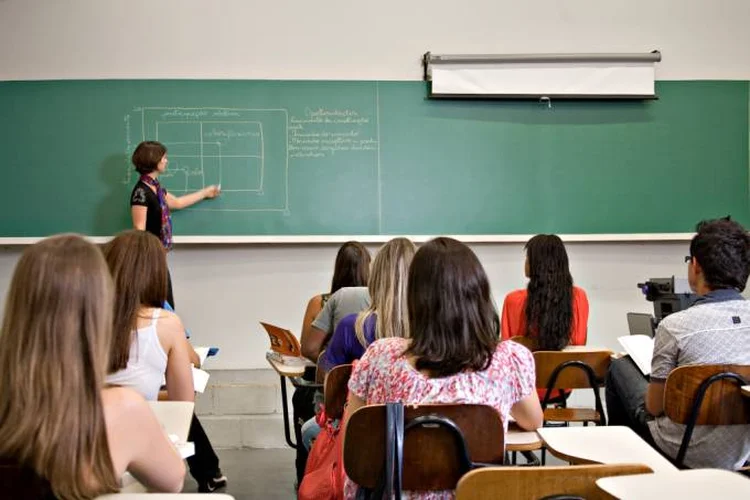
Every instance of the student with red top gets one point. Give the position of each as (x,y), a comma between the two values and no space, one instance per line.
(551,310)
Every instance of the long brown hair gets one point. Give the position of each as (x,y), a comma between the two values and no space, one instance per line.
(387,286)
(452,320)
(54,345)
(352,267)
(138,265)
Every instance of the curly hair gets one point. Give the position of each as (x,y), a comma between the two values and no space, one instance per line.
(549,304)
(722,248)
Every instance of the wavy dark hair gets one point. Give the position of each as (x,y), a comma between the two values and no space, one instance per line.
(352,267)
(452,319)
(722,248)
(549,304)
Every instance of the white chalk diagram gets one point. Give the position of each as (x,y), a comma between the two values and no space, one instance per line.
(244,150)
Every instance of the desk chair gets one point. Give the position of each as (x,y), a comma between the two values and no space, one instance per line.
(573,370)
(174,417)
(337,390)
(578,481)
(706,395)
(528,342)
(430,458)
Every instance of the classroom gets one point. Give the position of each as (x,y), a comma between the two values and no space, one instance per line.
(160,67)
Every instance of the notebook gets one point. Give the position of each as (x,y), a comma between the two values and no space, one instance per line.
(640,348)
(285,347)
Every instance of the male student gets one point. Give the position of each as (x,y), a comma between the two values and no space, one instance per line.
(715,330)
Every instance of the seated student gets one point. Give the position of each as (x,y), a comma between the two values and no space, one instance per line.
(149,342)
(63,434)
(550,311)
(386,316)
(454,354)
(351,269)
(715,330)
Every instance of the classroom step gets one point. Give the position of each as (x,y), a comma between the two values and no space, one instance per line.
(242,409)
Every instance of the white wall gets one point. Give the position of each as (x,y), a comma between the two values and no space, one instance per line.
(355,39)
(223,291)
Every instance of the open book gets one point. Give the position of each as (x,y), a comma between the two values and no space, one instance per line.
(640,348)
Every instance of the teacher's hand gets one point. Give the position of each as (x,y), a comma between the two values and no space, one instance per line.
(211,191)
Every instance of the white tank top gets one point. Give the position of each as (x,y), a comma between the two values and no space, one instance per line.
(147,363)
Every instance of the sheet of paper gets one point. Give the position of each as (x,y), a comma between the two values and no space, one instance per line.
(640,348)
(200,379)
(202,353)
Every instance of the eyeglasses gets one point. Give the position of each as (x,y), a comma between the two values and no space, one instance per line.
(688,258)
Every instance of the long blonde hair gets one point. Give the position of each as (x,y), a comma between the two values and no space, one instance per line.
(387,286)
(54,347)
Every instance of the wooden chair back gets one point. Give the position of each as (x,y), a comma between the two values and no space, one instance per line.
(723,403)
(547,362)
(430,460)
(336,390)
(534,483)
(528,342)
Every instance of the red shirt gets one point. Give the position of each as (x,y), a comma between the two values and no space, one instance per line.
(514,319)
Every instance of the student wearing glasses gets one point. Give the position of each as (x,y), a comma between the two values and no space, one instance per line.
(714,330)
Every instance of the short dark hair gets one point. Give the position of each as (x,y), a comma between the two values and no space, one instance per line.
(452,319)
(722,248)
(352,266)
(147,156)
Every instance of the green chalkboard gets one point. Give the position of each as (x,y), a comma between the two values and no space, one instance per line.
(359,158)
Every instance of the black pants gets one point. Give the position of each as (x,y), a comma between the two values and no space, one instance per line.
(170,298)
(626,398)
(204,464)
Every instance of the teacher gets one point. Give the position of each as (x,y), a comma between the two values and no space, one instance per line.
(150,203)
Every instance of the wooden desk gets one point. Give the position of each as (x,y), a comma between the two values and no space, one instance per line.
(746,390)
(685,485)
(293,372)
(603,445)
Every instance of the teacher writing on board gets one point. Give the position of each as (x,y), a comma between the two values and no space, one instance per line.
(150,203)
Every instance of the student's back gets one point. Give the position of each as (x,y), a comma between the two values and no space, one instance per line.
(550,310)
(385,316)
(158,341)
(706,333)
(351,269)
(149,342)
(59,427)
(454,354)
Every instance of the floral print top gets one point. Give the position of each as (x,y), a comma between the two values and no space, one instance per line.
(384,375)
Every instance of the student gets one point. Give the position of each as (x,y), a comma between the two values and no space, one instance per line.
(385,318)
(62,433)
(454,354)
(149,343)
(715,330)
(550,311)
(351,269)
(150,203)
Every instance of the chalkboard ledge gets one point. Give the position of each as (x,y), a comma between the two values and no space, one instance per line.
(323,239)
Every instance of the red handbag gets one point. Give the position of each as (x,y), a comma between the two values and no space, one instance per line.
(324,473)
